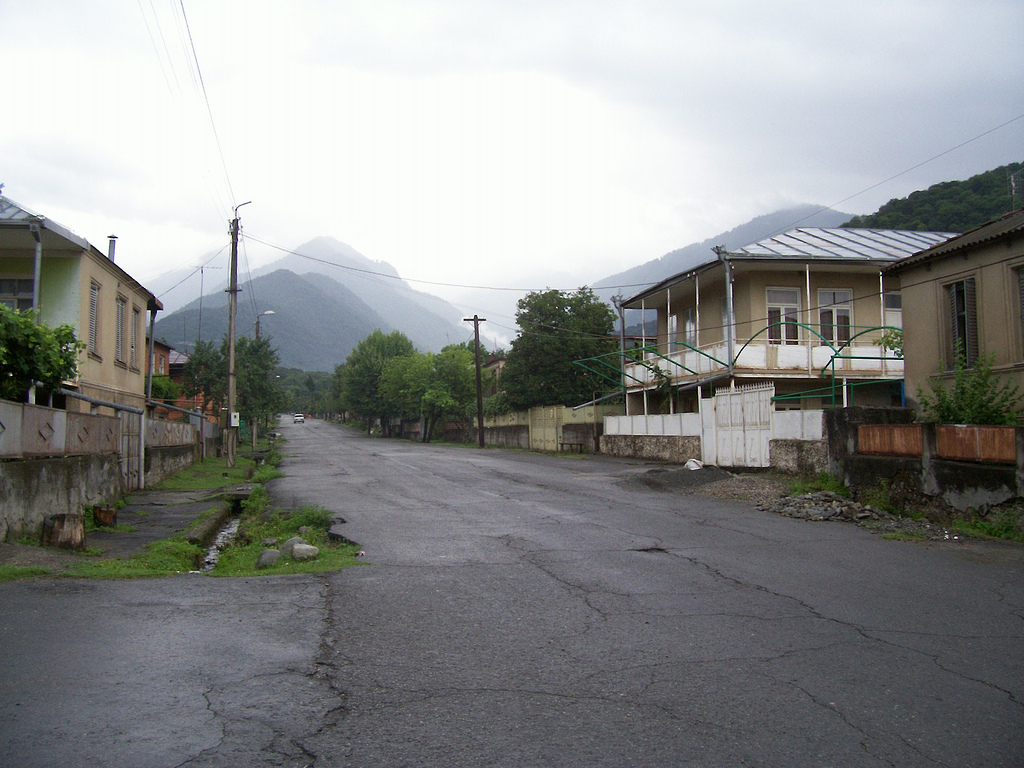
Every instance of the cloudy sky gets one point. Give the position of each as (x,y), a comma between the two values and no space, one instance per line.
(530,143)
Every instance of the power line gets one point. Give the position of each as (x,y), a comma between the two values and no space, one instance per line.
(206,99)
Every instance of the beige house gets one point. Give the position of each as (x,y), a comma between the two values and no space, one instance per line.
(46,266)
(967,294)
(803,310)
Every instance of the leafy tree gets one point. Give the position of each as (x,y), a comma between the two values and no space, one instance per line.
(259,396)
(975,397)
(205,374)
(358,378)
(164,389)
(428,386)
(33,353)
(556,328)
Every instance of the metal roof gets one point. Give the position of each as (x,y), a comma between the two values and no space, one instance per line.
(15,214)
(853,244)
(808,244)
(1004,226)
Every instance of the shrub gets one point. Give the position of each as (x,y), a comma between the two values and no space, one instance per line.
(975,397)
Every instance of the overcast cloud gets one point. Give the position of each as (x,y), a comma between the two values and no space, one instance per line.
(491,143)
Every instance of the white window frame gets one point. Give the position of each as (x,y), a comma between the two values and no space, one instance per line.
(780,310)
(830,311)
(133,350)
(690,326)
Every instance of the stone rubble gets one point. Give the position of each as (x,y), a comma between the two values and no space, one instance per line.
(828,506)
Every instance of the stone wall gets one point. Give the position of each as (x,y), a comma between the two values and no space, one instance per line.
(798,457)
(675,448)
(163,461)
(587,435)
(35,488)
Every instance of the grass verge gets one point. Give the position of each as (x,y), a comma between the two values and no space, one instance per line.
(161,558)
(257,524)
(209,474)
(15,572)
(823,481)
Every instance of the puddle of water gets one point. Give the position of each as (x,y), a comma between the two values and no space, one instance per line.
(224,537)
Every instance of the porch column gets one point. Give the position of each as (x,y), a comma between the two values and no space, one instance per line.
(696,323)
(881,314)
(810,348)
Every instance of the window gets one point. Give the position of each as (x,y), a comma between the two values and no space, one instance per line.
(963,322)
(94,319)
(16,293)
(690,326)
(894,309)
(834,313)
(122,312)
(673,330)
(136,315)
(783,314)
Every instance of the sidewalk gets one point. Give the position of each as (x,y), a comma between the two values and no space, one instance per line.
(155,515)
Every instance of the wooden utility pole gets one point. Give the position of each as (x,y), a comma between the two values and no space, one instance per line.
(479,384)
(232,430)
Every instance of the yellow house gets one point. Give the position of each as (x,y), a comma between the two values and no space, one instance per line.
(967,294)
(46,266)
(803,310)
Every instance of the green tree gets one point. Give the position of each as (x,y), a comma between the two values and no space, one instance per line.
(975,397)
(205,375)
(431,387)
(557,328)
(259,396)
(357,380)
(31,353)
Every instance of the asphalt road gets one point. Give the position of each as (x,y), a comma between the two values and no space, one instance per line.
(526,610)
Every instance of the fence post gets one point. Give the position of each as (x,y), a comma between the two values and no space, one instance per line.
(929,449)
(1018,434)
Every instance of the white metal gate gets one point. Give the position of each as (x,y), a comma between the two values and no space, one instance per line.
(738,426)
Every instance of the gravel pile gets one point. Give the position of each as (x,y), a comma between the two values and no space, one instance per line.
(824,505)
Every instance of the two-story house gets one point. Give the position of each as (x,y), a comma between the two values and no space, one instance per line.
(968,296)
(45,266)
(804,310)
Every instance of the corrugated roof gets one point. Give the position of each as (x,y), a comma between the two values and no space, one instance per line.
(854,244)
(816,243)
(12,213)
(993,230)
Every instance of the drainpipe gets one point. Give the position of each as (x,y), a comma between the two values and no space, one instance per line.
(669,342)
(112,244)
(723,256)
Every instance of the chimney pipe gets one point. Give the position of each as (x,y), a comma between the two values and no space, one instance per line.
(113,244)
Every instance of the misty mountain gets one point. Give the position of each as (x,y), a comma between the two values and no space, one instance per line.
(635,279)
(316,322)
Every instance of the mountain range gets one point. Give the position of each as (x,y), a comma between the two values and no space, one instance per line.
(323,303)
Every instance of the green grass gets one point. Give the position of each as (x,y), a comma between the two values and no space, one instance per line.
(999,524)
(161,558)
(823,481)
(239,558)
(208,475)
(265,474)
(15,572)
(903,536)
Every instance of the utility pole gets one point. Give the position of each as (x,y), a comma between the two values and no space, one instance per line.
(479,385)
(233,422)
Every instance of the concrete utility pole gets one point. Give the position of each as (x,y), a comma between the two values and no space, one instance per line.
(479,385)
(232,430)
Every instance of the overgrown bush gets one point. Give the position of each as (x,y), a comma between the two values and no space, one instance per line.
(975,397)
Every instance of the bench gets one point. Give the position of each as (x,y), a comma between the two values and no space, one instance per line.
(573,447)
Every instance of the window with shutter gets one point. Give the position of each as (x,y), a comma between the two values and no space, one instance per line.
(122,307)
(136,316)
(963,322)
(783,315)
(94,319)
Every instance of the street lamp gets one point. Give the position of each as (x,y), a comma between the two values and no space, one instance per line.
(261,314)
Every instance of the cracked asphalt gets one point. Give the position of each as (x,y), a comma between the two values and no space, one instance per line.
(528,610)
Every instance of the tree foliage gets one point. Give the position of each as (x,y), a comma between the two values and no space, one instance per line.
(33,353)
(975,397)
(205,374)
(259,396)
(357,380)
(951,206)
(557,328)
